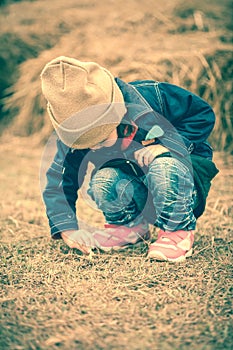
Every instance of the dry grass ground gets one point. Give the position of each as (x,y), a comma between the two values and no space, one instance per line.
(55,298)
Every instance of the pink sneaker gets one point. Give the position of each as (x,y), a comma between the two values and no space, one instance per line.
(115,237)
(172,246)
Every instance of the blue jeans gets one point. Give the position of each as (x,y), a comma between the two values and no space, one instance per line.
(164,196)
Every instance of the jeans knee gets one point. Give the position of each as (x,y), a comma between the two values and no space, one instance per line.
(168,173)
(167,164)
(105,174)
(112,190)
(111,183)
(171,184)
(168,167)
(103,180)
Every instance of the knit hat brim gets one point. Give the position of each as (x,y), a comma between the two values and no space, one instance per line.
(92,133)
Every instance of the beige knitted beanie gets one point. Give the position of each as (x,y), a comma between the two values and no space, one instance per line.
(84,102)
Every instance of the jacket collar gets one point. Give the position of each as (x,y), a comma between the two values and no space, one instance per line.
(137,106)
(135,103)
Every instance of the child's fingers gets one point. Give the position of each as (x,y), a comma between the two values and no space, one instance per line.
(83,248)
(139,156)
(87,238)
(148,158)
(145,156)
(81,240)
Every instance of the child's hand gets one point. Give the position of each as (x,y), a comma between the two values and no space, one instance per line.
(146,155)
(80,239)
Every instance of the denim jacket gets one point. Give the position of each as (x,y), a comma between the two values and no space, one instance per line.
(177,118)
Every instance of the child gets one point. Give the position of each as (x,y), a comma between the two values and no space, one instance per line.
(152,163)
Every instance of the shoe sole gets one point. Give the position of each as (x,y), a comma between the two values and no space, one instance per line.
(161,257)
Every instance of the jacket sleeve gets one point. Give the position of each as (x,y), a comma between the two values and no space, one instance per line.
(191,116)
(61,186)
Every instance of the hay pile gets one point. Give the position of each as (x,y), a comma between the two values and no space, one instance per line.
(183,44)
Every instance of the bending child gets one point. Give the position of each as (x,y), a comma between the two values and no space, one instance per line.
(152,163)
